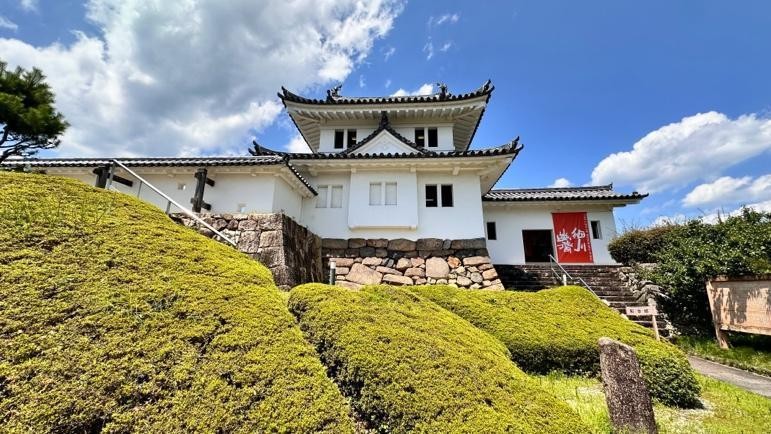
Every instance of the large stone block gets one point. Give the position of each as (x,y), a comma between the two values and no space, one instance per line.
(473,261)
(401,245)
(381,243)
(271,238)
(271,256)
(363,275)
(334,243)
(437,268)
(395,279)
(342,262)
(247,225)
(417,262)
(429,244)
(366,251)
(371,261)
(271,222)
(476,277)
(386,270)
(463,281)
(403,264)
(381,252)
(629,403)
(249,242)
(473,243)
(413,272)
(490,274)
(356,243)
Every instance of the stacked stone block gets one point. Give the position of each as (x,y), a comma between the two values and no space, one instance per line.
(459,263)
(290,251)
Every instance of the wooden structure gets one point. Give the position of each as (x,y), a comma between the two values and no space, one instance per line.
(741,304)
(645,311)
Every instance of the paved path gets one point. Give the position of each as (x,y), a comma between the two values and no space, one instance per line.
(746,380)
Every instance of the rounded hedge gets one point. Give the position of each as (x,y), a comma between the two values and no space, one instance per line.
(115,319)
(410,366)
(558,329)
(639,246)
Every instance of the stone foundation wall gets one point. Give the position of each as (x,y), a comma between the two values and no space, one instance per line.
(460,263)
(290,251)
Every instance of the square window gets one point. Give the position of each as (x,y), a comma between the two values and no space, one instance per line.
(390,193)
(351,138)
(447,195)
(321,199)
(181,186)
(337,197)
(492,233)
(375,193)
(433,140)
(339,139)
(596,230)
(431,196)
(420,137)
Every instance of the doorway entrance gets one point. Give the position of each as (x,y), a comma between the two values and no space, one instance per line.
(538,245)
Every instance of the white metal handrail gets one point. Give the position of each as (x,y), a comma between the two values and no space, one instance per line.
(169,200)
(565,275)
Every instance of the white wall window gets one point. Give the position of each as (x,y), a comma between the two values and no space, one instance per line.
(330,196)
(426,136)
(390,193)
(382,193)
(375,193)
(322,198)
(336,199)
(439,195)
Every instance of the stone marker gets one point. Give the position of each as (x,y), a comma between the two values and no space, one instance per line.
(629,402)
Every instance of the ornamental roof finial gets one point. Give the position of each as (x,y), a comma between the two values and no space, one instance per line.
(442,90)
(334,93)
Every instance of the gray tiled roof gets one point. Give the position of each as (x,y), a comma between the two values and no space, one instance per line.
(600,192)
(485,89)
(261,160)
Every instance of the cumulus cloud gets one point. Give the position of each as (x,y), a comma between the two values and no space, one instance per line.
(425,89)
(728,191)
(692,149)
(185,78)
(5,23)
(446,46)
(561,183)
(387,53)
(297,145)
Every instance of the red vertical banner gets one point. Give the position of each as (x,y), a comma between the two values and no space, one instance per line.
(571,236)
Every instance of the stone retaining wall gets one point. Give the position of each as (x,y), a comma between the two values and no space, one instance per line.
(290,251)
(461,263)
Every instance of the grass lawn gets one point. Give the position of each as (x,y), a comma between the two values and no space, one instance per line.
(750,352)
(727,409)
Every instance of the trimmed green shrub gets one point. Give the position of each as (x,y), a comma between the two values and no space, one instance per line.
(696,252)
(410,366)
(115,319)
(639,245)
(558,329)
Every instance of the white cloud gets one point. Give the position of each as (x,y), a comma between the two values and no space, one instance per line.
(182,78)
(388,83)
(695,148)
(425,89)
(429,50)
(561,183)
(362,81)
(388,53)
(297,145)
(5,23)
(29,5)
(729,191)
(446,18)
(446,46)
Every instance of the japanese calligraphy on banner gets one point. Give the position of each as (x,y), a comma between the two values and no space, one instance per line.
(571,236)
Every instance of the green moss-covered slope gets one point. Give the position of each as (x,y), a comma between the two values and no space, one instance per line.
(115,319)
(558,329)
(410,366)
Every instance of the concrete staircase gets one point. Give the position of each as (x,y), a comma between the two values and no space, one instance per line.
(603,279)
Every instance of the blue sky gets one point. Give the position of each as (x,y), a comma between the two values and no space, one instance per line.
(577,81)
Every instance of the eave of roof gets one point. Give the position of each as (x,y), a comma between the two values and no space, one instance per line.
(591,193)
(261,160)
(485,89)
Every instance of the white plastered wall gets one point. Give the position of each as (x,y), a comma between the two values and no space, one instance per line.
(510,220)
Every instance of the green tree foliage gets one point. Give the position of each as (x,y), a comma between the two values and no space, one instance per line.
(410,366)
(115,319)
(558,329)
(639,245)
(696,252)
(27,115)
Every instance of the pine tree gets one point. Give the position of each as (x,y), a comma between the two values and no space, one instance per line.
(28,118)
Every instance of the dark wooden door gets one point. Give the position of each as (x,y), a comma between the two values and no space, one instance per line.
(538,245)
